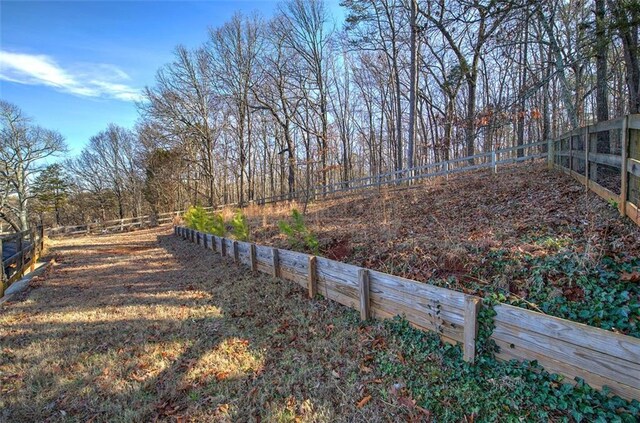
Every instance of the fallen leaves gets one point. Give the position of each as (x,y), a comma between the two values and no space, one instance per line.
(630,276)
(363,401)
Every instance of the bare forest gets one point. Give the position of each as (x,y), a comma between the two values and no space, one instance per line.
(273,106)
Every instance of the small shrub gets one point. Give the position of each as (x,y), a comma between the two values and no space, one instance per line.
(199,219)
(298,234)
(240,227)
(217,225)
(196,218)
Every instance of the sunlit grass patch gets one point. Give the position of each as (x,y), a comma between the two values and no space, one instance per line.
(233,358)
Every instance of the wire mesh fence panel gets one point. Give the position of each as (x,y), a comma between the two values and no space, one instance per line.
(633,194)
(578,160)
(605,155)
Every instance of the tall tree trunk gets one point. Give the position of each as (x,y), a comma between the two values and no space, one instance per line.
(602,47)
(414,84)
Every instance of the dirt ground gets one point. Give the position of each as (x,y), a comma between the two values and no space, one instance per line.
(145,326)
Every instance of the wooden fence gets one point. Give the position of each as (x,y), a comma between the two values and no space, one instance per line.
(605,157)
(18,252)
(117,225)
(597,163)
(600,357)
(489,160)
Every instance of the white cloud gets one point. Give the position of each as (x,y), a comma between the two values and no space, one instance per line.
(88,80)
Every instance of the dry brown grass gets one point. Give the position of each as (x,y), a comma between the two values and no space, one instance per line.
(442,228)
(145,326)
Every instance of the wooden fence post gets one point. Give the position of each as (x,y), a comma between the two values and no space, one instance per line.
(363,282)
(19,249)
(625,175)
(236,253)
(2,275)
(206,242)
(275,262)
(252,258)
(32,236)
(312,277)
(41,238)
(223,247)
(494,163)
(471,307)
(590,169)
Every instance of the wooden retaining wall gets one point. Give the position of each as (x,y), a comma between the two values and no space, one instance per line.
(600,357)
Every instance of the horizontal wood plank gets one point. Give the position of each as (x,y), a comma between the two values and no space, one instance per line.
(336,271)
(633,167)
(396,286)
(607,366)
(512,352)
(607,342)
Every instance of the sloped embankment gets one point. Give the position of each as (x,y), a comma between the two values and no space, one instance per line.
(532,235)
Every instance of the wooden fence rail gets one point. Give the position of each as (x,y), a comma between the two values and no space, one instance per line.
(600,357)
(491,160)
(605,157)
(19,252)
(117,225)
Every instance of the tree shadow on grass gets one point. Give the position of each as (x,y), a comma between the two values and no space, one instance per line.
(175,331)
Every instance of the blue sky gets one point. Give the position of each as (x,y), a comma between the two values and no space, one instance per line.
(76,66)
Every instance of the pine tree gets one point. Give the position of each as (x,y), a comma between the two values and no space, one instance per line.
(51,189)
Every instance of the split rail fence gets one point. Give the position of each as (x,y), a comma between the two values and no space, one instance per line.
(117,225)
(605,157)
(600,357)
(18,252)
(490,160)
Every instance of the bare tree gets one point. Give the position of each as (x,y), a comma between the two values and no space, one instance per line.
(23,150)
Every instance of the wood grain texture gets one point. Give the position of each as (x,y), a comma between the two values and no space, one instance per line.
(607,159)
(509,351)
(236,253)
(596,362)
(471,308)
(588,337)
(435,320)
(363,285)
(252,258)
(312,277)
(275,262)
(263,255)
(336,271)
(397,287)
